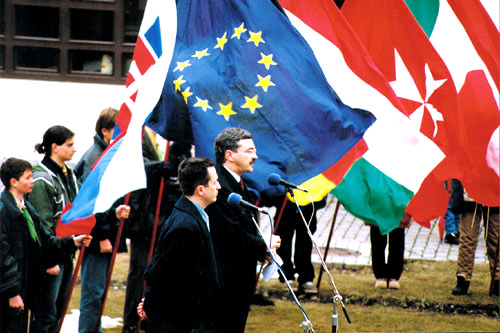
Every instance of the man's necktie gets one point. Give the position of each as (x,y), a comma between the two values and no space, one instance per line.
(31,225)
(241,184)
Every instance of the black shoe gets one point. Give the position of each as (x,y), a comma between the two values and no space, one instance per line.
(462,286)
(451,238)
(259,299)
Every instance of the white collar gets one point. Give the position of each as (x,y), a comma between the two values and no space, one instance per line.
(234,174)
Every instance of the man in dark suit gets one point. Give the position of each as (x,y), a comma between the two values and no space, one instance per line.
(237,242)
(182,279)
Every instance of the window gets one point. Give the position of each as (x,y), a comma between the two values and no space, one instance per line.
(43,21)
(69,40)
(96,25)
(2,57)
(36,59)
(2,19)
(132,16)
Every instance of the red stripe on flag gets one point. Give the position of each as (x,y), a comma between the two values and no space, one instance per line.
(336,172)
(76,227)
(123,118)
(482,33)
(130,80)
(134,96)
(332,25)
(480,113)
(142,57)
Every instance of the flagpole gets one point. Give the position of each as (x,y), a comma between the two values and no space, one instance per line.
(70,292)
(156,220)
(334,219)
(112,264)
(158,205)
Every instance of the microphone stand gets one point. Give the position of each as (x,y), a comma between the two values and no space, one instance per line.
(306,325)
(337,298)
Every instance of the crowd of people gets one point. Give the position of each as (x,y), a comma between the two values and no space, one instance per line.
(201,276)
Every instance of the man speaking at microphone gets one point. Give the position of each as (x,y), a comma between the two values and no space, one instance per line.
(238,244)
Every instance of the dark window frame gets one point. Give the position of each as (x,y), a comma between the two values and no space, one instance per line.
(117,47)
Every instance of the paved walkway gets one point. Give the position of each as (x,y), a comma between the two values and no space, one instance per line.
(350,243)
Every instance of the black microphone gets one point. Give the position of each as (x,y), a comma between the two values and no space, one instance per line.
(235,200)
(275,179)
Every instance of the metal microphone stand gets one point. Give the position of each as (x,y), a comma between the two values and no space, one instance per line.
(337,298)
(306,325)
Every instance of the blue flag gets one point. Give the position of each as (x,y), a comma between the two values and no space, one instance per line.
(242,64)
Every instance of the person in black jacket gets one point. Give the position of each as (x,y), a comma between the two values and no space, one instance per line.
(22,243)
(237,242)
(182,279)
(140,224)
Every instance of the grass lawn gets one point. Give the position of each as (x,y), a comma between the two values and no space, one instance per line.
(423,304)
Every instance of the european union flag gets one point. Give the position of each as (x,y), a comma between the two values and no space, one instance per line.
(240,63)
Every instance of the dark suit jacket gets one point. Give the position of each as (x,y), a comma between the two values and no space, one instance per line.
(237,244)
(182,279)
(21,258)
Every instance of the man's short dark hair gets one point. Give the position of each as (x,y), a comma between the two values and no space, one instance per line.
(107,120)
(228,140)
(13,168)
(193,173)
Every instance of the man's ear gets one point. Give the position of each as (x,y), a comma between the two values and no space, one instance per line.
(13,182)
(228,155)
(198,190)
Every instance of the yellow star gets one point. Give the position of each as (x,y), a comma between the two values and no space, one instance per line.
(203,103)
(186,93)
(238,31)
(264,82)
(256,38)
(200,54)
(226,110)
(178,83)
(221,42)
(251,103)
(182,65)
(267,60)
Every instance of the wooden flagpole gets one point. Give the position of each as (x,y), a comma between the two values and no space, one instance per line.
(112,264)
(70,292)
(328,242)
(158,205)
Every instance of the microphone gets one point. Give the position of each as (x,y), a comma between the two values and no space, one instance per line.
(275,179)
(235,200)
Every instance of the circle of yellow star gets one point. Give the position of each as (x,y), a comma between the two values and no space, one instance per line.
(178,83)
(186,93)
(267,60)
(226,110)
(238,31)
(181,65)
(251,103)
(264,82)
(200,54)
(202,103)
(256,38)
(221,42)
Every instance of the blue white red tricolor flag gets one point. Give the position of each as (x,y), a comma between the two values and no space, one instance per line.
(120,169)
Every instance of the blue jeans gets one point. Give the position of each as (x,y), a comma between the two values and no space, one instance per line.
(55,290)
(451,221)
(93,275)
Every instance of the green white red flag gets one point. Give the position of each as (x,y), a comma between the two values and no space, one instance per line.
(376,181)
(461,123)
